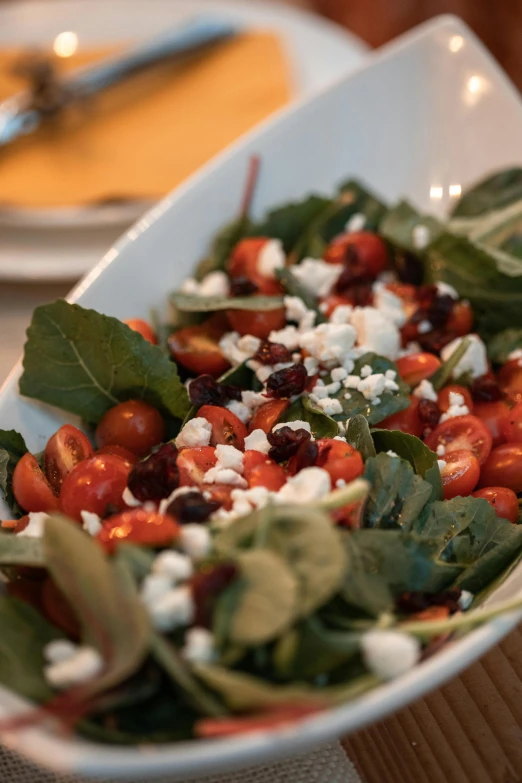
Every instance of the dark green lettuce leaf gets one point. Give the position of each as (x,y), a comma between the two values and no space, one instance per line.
(397,495)
(503,344)
(412,449)
(12,448)
(359,436)
(399,222)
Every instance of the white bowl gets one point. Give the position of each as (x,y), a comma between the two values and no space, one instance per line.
(427,112)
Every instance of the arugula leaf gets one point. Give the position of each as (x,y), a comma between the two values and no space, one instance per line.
(321,425)
(441,376)
(293,287)
(399,223)
(495,191)
(503,343)
(25,633)
(223,244)
(391,402)
(85,363)
(206,304)
(21,550)
(359,436)
(397,496)
(290,221)
(12,448)
(421,458)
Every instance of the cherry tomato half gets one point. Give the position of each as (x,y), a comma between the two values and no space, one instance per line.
(93,485)
(502,499)
(133,424)
(503,468)
(460,321)
(443,397)
(261,471)
(363,251)
(64,450)
(257,322)
(197,347)
(31,489)
(267,415)
(119,451)
(227,429)
(461,474)
(332,302)
(244,263)
(417,367)
(494,415)
(462,432)
(137,526)
(510,378)
(220,493)
(144,328)
(511,424)
(339,459)
(406,421)
(194,463)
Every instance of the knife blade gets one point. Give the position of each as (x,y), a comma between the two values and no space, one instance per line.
(19,118)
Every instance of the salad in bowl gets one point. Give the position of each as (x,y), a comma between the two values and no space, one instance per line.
(300,486)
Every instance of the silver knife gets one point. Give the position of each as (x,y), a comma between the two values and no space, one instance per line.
(19,118)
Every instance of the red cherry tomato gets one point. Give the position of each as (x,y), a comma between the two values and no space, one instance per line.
(93,485)
(444,395)
(461,473)
(261,471)
(64,450)
(227,429)
(462,432)
(31,489)
(220,493)
(349,516)
(197,347)
(406,292)
(510,378)
(194,463)
(502,499)
(133,424)
(59,611)
(119,451)
(460,321)
(267,415)
(137,526)
(332,302)
(365,251)
(494,415)
(511,424)
(339,459)
(417,367)
(405,421)
(282,715)
(503,468)
(257,322)
(144,328)
(244,262)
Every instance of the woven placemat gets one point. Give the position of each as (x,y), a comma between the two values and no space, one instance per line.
(328,764)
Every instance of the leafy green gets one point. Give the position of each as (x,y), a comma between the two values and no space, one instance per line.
(315,649)
(356,198)
(200,304)
(399,223)
(12,448)
(223,244)
(321,425)
(293,287)
(21,550)
(421,458)
(290,221)
(397,496)
(85,363)
(493,192)
(359,436)
(503,343)
(441,376)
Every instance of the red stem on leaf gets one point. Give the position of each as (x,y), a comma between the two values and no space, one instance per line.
(250,185)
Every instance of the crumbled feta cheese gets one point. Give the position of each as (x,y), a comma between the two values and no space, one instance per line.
(243,502)
(412,347)
(421,237)
(219,475)
(457,407)
(240,410)
(294,425)
(289,337)
(366,370)
(373,385)
(129,499)
(199,646)
(356,222)
(516,354)
(425,391)
(375,332)
(390,375)
(83,665)
(388,654)
(36,524)
(351,382)
(389,304)
(257,441)
(297,311)
(214,284)
(271,257)
(444,289)
(465,600)
(456,398)
(442,464)
(195,540)
(330,406)
(392,453)
(342,314)
(339,374)
(172,609)
(154,586)
(91,522)
(190,286)
(342,429)
(441,450)
(424,327)
(317,276)
(173,565)
(329,343)
(236,348)
(253,399)
(59,650)
(306,486)
(340,483)
(347,396)
(196,432)
(474,361)
(323,307)
(311,365)
(230,457)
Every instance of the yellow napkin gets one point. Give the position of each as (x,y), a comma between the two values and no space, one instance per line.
(140,139)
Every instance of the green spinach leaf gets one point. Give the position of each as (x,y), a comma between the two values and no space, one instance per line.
(359,436)
(397,496)
(315,649)
(290,221)
(321,425)
(493,192)
(12,448)
(399,223)
(421,458)
(503,344)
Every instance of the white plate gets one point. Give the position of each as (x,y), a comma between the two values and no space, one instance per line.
(429,111)
(62,244)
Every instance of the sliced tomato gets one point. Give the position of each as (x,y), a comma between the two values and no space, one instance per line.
(417,367)
(510,378)
(511,424)
(220,493)
(460,321)
(503,468)
(339,459)
(257,322)
(494,415)
(503,500)
(137,526)
(279,716)
(244,263)
(194,463)
(64,450)
(227,429)
(261,471)
(31,488)
(406,421)
(144,328)
(443,397)
(267,415)
(95,484)
(332,302)
(462,432)
(365,253)
(197,347)
(119,451)
(461,474)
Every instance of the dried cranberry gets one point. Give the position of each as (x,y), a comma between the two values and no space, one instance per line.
(417,601)
(206,586)
(285,383)
(409,268)
(439,310)
(192,507)
(485,389)
(429,413)
(157,476)
(272,353)
(205,390)
(306,455)
(242,286)
(434,341)
(285,442)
